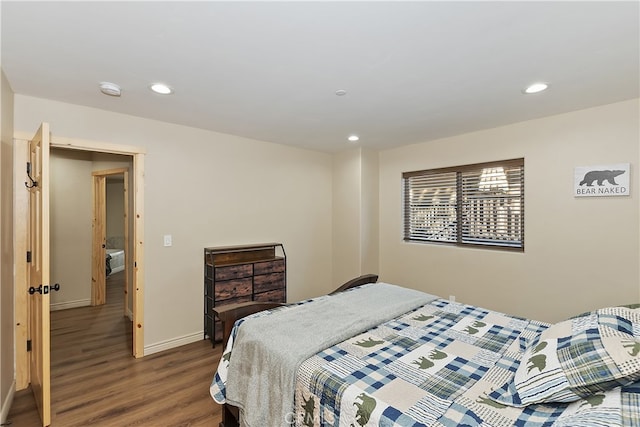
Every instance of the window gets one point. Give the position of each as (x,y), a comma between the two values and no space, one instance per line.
(479,205)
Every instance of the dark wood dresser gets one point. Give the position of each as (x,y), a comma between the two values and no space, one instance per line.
(234,274)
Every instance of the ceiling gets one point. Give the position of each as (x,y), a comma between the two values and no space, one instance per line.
(413,71)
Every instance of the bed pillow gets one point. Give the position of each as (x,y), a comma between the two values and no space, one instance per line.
(573,359)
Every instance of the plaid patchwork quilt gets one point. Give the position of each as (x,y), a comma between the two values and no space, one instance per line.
(436,366)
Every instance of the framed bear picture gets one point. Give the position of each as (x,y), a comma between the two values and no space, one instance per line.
(602,180)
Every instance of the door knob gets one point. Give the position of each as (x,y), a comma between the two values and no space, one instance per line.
(33,290)
(43,290)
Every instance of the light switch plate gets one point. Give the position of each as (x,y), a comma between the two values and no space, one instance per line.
(167,240)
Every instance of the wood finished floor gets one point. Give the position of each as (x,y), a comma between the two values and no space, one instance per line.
(95,381)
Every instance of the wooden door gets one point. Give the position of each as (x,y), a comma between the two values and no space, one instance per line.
(38,187)
(98,268)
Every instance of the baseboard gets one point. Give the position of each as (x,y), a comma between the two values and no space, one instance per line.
(173,343)
(6,405)
(70,304)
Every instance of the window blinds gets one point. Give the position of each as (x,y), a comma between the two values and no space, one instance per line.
(480,204)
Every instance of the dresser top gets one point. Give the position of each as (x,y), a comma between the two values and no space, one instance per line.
(241,248)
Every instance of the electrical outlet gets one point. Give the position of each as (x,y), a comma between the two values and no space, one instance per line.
(452,298)
(168,240)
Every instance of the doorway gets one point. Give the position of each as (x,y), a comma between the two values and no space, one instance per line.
(111,246)
(21,206)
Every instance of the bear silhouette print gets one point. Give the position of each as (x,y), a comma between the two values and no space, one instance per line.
(600,177)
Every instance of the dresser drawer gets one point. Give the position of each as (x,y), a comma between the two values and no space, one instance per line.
(278,295)
(265,267)
(232,288)
(268,282)
(233,272)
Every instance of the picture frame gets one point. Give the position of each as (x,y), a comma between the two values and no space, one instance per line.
(602,180)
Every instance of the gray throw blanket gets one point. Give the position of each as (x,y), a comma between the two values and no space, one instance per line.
(268,350)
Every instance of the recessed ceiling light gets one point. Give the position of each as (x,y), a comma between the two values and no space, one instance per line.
(161,88)
(341,92)
(353,138)
(110,89)
(535,88)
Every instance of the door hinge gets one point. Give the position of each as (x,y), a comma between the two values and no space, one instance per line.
(28,345)
(28,256)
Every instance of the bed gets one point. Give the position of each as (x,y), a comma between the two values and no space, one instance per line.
(114,254)
(432,362)
(114,260)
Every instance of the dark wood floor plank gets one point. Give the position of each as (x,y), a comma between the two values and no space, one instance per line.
(95,381)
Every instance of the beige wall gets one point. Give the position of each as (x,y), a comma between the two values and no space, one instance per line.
(7,356)
(115,208)
(355,215)
(346,216)
(207,189)
(70,225)
(369,207)
(580,253)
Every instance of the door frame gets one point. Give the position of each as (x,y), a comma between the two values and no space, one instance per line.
(98,274)
(21,150)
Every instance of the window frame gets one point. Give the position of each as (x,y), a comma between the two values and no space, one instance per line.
(459,170)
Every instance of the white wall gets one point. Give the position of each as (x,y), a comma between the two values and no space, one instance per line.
(580,253)
(208,189)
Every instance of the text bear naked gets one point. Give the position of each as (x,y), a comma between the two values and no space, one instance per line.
(602,180)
